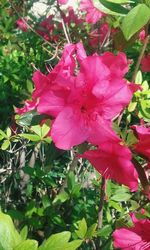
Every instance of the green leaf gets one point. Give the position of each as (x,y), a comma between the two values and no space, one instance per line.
(30,137)
(48,140)
(1,137)
(45,130)
(76,190)
(29,86)
(115,205)
(132,106)
(26,119)
(8,132)
(110,8)
(145,86)
(105,231)
(135,20)
(91,232)
(45,201)
(24,233)
(124,222)
(27,245)
(72,245)
(138,78)
(62,197)
(131,139)
(121,197)
(37,130)
(119,1)
(9,237)
(56,241)
(82,229)
(3,134)
(5,144)
(145,108)
(71,181)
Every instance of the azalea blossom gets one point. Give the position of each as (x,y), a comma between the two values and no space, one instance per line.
(80,102)
(145,63)
(22,24)
(113,161)
(136,237)
(143,145)
(46,29)
(92,13)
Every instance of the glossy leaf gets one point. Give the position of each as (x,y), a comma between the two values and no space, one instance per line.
(27,245)
(9,237)
(135,20)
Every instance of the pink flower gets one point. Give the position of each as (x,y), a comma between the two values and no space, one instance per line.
(62,1)
(46,29)
(28,106)
(145,63)
(142,35)
(22,24)
(53,88)
(71,17)
(143,145)
(83,102)
(93,14)
(99,36)
(134,238)
(113,161)
(89,98)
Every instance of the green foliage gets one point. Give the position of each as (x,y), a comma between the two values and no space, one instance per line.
(10,239)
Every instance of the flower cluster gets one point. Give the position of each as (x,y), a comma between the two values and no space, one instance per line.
(82,95)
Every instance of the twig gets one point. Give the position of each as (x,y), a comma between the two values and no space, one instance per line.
(142,175)
(63,23)
(100,211)
(140,58)
(72,168)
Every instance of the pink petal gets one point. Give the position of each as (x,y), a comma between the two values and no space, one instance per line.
(118,64)
(68,129)
(52,102)
(41,83)
(113,161)
(93,14)
(62,1)
(145,63)
(126,239)
(115,96)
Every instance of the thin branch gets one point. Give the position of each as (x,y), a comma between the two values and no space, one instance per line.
(72,168)
(140,58)
(100,211)
(142,175)
(63,24)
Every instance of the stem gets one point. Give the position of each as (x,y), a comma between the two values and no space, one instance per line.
(142,175)
(140,58)
(72,168)
(100,211)
(63,24)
